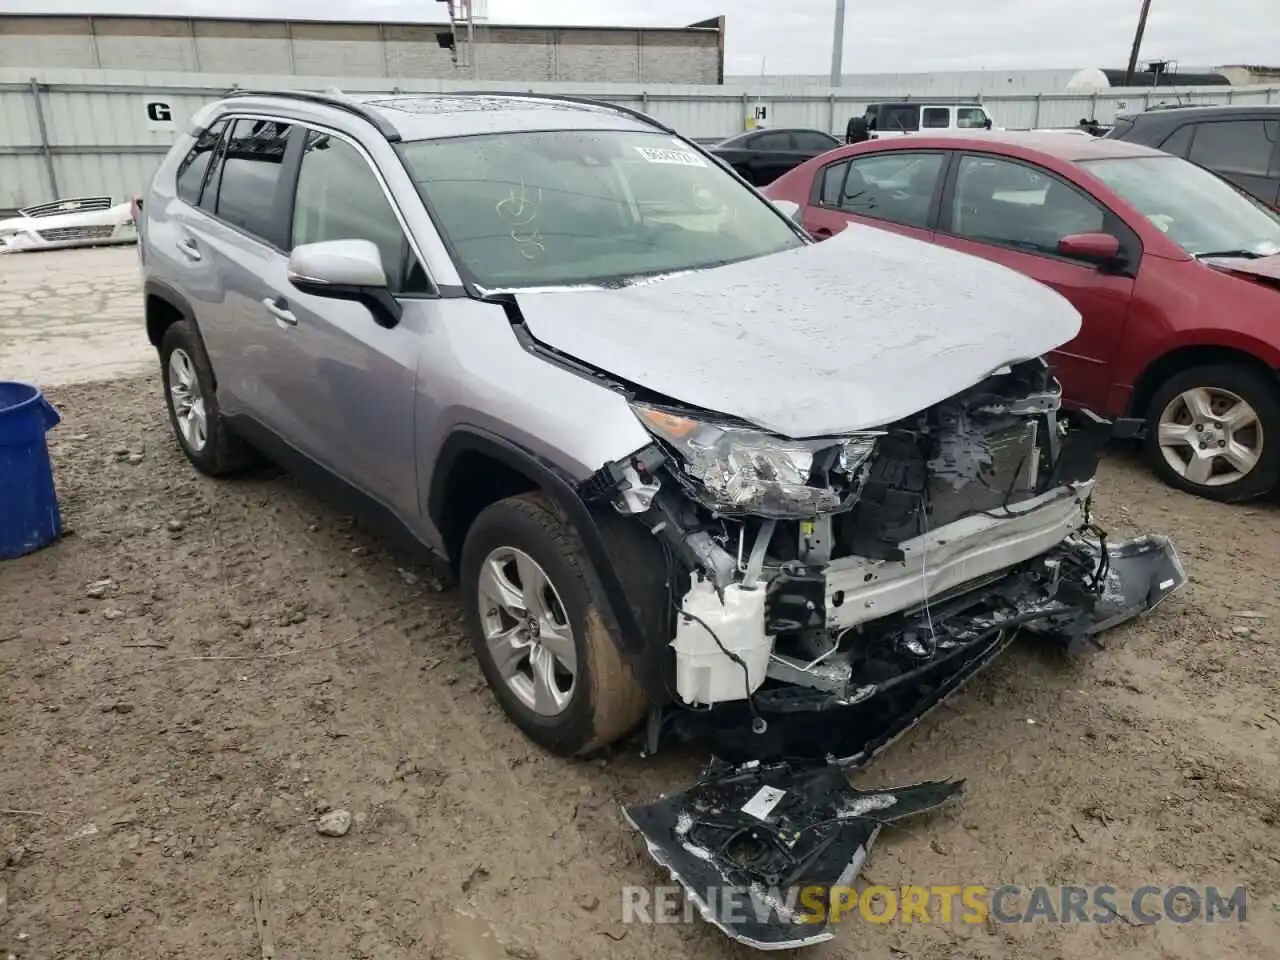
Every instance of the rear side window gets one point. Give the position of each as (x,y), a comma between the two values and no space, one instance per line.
(775,140)
(249,181)
(809,140)
(1235,146)
(194,166)
(971,118)
(936,118)
(1179,142)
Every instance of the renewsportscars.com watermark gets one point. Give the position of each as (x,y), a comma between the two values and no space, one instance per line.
(973,903)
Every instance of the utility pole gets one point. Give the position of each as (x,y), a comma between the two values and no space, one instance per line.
(1137,43)
(837,47)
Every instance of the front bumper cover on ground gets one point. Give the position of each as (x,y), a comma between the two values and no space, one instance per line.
(762,840)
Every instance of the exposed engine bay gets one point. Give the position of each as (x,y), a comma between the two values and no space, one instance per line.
(826,594)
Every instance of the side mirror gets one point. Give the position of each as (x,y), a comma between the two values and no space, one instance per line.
(1100,248)
(345,270)
(788,208)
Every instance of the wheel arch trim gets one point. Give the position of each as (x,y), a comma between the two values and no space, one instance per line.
(553,481)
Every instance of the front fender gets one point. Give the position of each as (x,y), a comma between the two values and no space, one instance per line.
(620,617)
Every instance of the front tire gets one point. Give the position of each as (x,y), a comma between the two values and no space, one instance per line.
(197,422)
(533,609)
(1214,431)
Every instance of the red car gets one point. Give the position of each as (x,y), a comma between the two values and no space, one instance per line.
(1175,272)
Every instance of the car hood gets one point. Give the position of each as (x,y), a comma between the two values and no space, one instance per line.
(1265,268)
(855,332)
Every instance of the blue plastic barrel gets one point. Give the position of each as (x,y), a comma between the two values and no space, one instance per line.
(29,514)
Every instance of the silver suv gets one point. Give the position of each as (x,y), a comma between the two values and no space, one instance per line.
(686,464)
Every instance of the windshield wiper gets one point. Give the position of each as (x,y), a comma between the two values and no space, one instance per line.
(1238,254)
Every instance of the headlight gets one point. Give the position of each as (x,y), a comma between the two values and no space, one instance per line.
(738,470)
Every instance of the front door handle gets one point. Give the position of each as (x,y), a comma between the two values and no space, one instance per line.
(189,249)
(278,307)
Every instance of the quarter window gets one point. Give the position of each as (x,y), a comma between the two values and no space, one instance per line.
(1236,146)
(339,198)
(249,183)
(195,165)
(1179,142)
(1016,205)
(971,118)
(899,119)
(832,184)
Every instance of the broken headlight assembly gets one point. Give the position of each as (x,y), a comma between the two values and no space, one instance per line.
(737,470)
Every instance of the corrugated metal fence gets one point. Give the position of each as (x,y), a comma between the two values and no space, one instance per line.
(78,133)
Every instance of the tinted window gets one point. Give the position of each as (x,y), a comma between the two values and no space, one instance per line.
(774,140)
(896,186)
(832,182)
(339,198)
(899,118)
(194,166)
(1235,146)
(1179,142)
(589,206)
(937,118)
(1016,205)
(250,176)
(971,118)
(812,140)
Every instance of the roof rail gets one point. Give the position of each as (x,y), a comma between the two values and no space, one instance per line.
(581,101)
(336,100)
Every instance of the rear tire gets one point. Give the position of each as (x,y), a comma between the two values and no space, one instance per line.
(534,610)
(1214,431)
(202,434)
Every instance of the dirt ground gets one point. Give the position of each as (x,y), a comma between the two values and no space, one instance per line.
(255,660)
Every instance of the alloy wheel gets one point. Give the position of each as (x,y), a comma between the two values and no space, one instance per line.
(527,631)
(1210,436)
(187,401)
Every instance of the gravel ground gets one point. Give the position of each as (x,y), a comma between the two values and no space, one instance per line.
(204,668)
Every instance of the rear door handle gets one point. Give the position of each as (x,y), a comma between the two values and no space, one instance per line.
(278,307)
(189,249)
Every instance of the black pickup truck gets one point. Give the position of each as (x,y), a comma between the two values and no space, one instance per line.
(761,156)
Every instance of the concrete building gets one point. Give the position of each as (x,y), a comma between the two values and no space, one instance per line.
(683,55)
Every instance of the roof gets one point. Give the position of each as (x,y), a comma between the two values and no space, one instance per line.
(1204,110)
(427,116)
(359,18)
(1060,145)
(430,116)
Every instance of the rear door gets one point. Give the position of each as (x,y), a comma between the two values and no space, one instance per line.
(1246,152)
(896,190)
(236,239)
(346,382)
(1015,213)
(772,153)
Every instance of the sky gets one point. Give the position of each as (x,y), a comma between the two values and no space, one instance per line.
(794,36)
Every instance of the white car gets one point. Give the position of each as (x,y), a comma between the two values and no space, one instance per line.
(74,222)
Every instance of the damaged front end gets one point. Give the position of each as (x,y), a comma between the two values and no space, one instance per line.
(825,594)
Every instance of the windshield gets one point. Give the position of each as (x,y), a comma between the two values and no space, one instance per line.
(583,207)
(1197,210)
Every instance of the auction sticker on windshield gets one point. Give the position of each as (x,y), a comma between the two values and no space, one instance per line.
(682,157)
